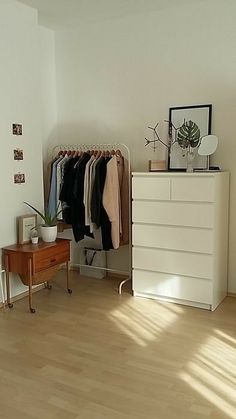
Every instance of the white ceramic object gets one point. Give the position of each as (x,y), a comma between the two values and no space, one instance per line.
(34,240)
(48,233)
(208,145)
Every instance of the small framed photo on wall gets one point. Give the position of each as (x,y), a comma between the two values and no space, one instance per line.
(19,178)
(17,129)
(25,225)
(18,154)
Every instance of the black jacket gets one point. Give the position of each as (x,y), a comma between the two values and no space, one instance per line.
(77,208)
(98,213)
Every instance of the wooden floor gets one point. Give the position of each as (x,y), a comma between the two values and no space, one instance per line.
(97,355)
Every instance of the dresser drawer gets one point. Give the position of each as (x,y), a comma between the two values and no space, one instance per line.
(192,189)
(174,213)
(172,286)
(174,238)
(51,257)
(179,263)
(151,188)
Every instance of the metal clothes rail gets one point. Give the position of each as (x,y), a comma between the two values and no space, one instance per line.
(126,153)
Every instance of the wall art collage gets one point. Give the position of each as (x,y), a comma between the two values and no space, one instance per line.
(18,154)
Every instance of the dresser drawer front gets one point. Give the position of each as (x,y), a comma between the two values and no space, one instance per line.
(193,189)
(179,263)
(51,257)
(151,188)
(174,213)
(172,286)
(175,238)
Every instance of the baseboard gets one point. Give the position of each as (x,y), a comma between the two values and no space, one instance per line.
(231,294)
(26,293)
(23,295)
(73,267)
(117,275)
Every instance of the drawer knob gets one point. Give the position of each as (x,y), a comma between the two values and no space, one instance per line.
(53,260)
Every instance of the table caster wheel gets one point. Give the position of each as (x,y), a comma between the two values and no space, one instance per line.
(10,305)
(69,290)
(32,310)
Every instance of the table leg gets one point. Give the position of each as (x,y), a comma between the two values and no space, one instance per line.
(68,277)
(6,262)
(2,289)
(32,310)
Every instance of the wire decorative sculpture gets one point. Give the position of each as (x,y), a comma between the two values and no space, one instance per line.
(172,136)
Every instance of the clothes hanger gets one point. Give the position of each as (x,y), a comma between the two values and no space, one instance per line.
(97,153)
(75,153)
(118,153)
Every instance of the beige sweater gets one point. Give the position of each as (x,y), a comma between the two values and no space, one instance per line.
(115,200)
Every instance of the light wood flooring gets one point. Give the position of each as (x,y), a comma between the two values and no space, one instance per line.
(97,355)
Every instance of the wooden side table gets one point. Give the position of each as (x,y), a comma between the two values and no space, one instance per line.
(36,264)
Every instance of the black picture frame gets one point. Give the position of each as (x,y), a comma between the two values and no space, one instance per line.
(202,116)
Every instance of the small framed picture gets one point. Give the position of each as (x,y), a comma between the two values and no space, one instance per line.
(201,115)
(17,129)
(18,154)
(19,178)
(25,225)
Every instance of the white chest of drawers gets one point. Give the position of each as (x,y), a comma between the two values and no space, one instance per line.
(180,237)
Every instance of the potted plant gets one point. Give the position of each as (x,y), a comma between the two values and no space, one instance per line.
(34,235)
(49,227)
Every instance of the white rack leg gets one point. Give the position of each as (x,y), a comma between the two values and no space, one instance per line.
(122,283)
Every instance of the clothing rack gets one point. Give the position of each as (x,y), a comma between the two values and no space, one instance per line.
(126,153)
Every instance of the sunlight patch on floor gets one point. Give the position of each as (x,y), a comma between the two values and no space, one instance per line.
(212,373)
(141,326)
(225,336)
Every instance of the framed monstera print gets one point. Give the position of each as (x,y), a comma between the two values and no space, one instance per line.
(187,125)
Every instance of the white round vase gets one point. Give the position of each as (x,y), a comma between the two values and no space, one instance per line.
(48,233)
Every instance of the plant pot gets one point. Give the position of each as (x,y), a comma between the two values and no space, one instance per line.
(34,240)
(48,233)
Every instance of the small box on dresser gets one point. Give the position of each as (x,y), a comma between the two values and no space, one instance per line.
(180,237)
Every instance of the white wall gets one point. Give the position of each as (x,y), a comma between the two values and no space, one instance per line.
(48,90)
(116,77)
(21,101)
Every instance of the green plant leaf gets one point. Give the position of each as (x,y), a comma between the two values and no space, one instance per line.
(48,219)
(33,208)
(188,135)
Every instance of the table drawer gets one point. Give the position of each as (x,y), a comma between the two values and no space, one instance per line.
(151,188)
(193,189)
(173,238)
(179,263)
(51,257)
(172,286)
(174,213)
